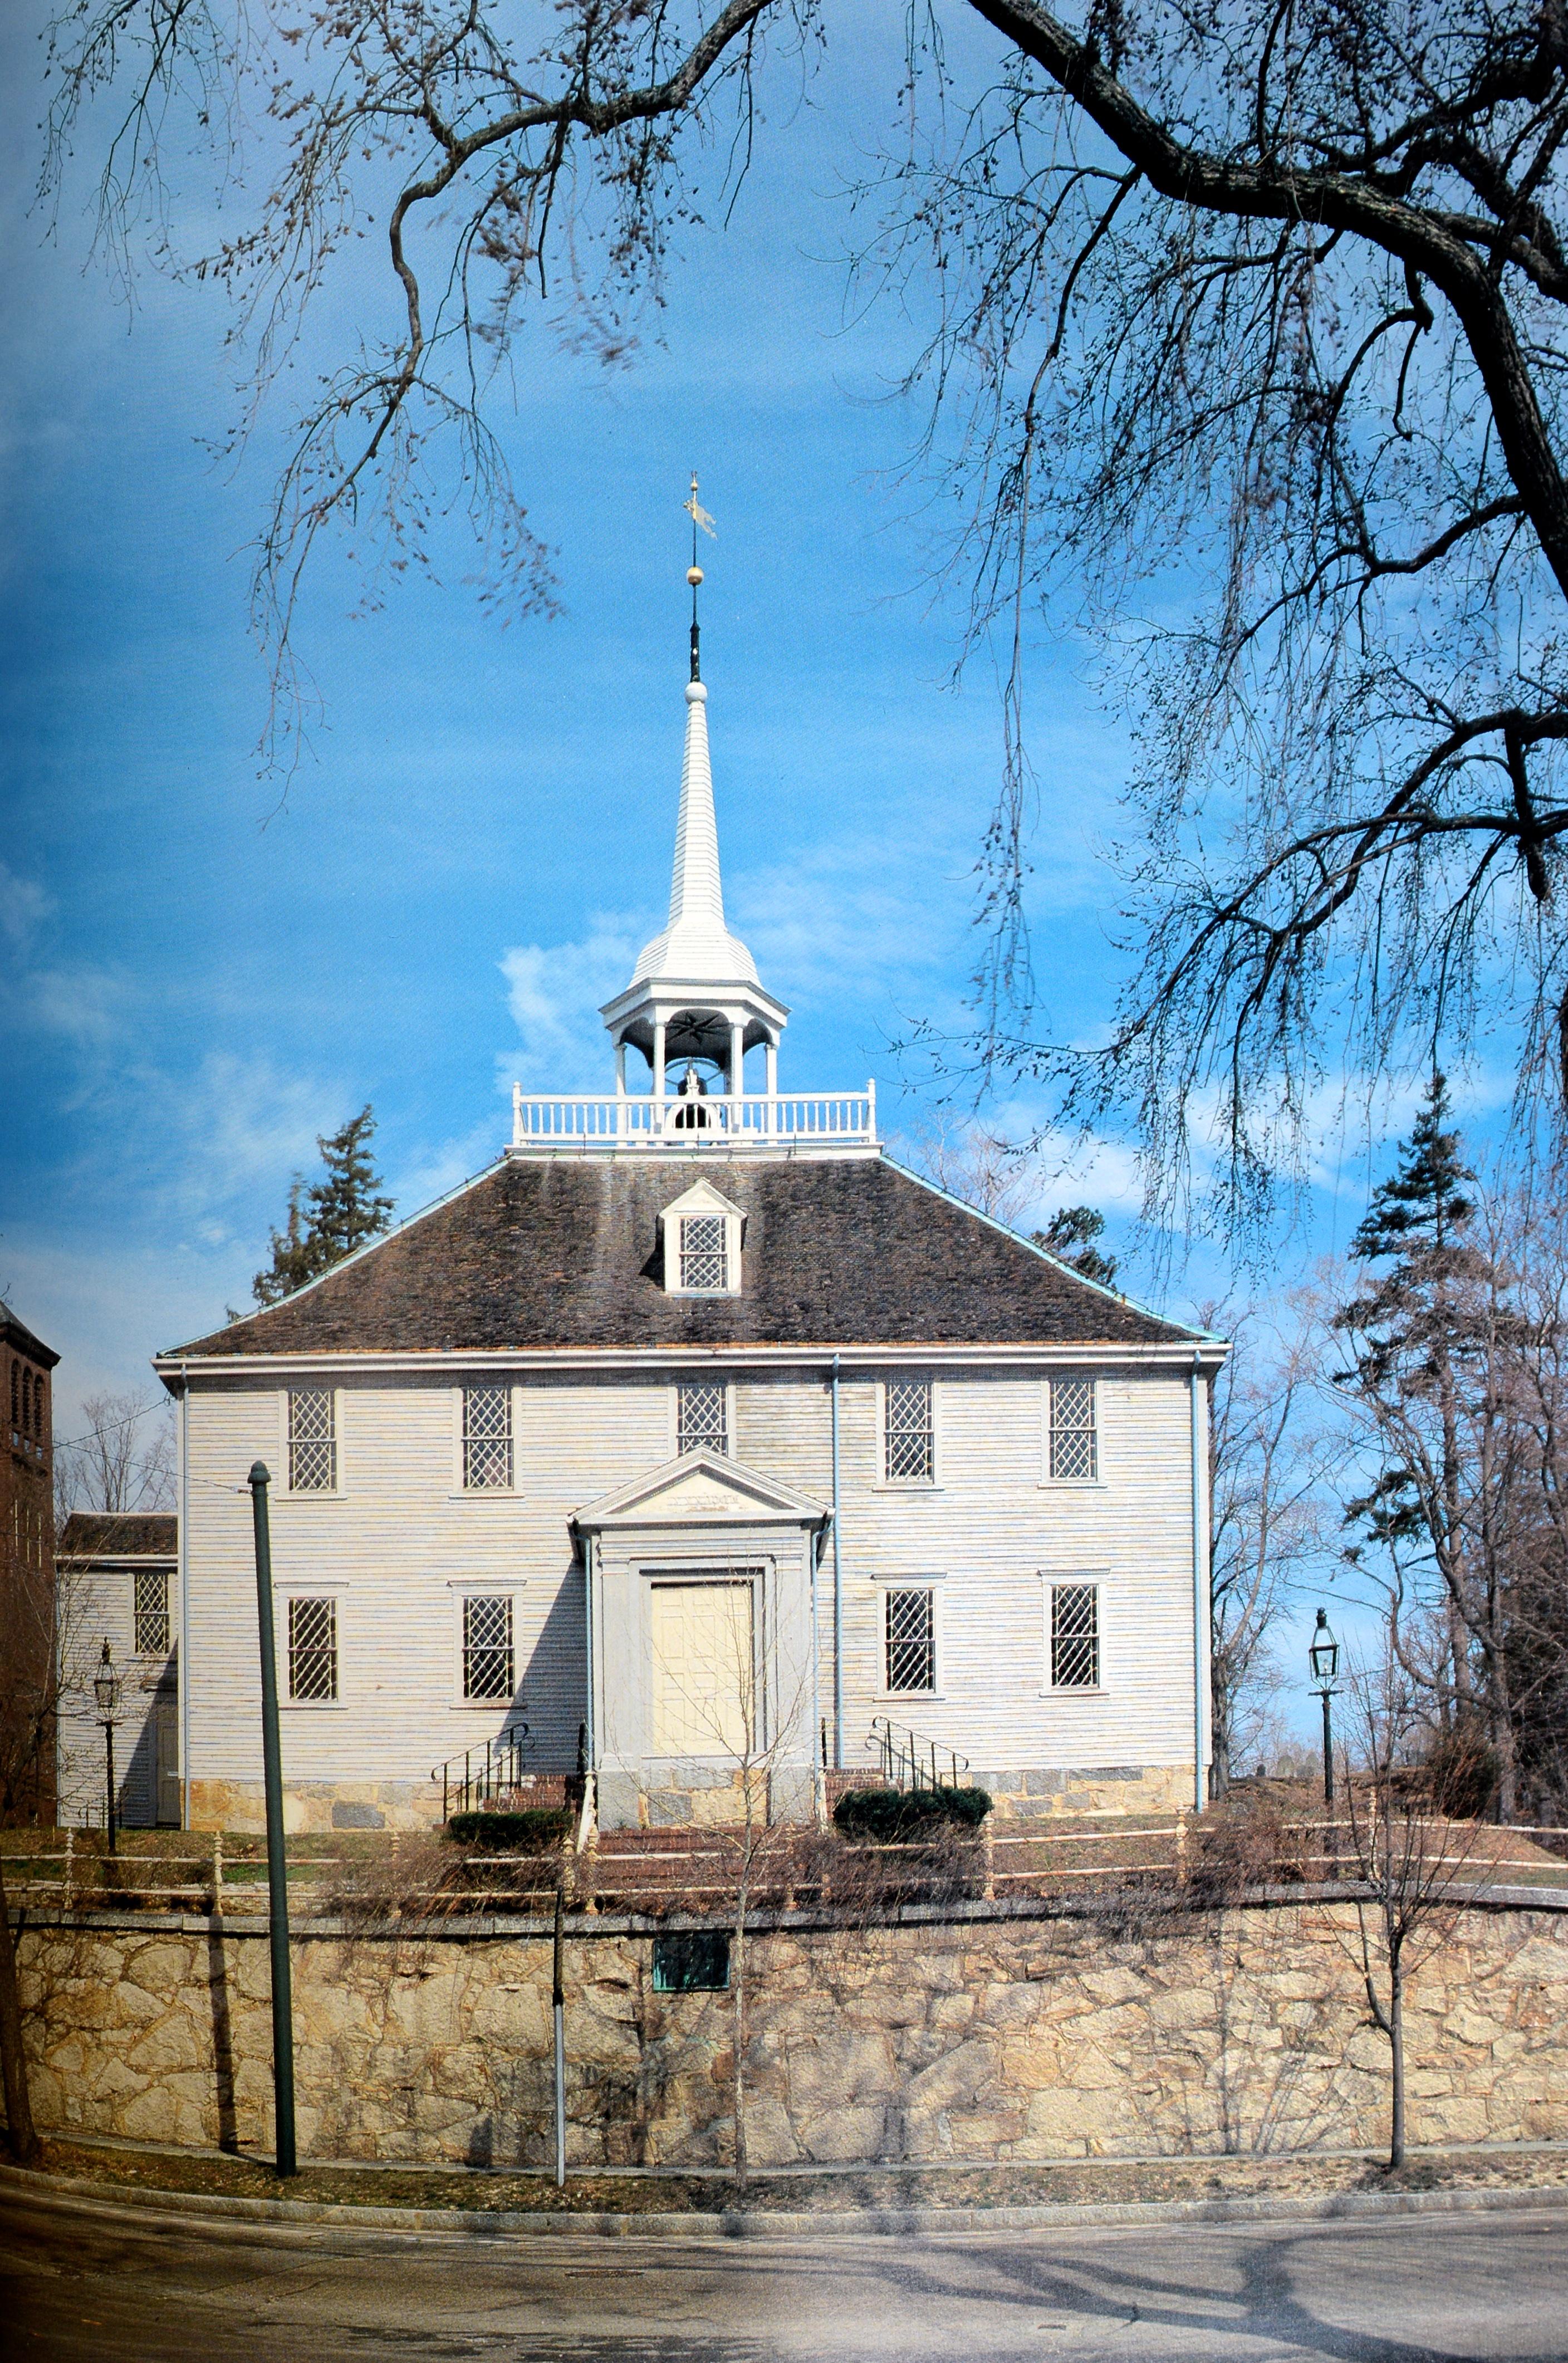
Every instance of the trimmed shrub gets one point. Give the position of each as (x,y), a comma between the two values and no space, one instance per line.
(533,1831)
(889,1815)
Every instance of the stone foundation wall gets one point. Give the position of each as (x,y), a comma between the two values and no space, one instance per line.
(703,1796)
(972,2040)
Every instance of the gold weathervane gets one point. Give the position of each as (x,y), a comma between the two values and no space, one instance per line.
(699,516)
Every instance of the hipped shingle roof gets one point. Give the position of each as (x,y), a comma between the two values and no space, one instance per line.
(565,1252)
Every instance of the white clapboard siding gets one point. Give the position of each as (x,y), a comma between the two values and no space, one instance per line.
(398,1542)
(98,1604)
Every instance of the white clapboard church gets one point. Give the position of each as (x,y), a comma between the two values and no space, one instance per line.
(696,1443)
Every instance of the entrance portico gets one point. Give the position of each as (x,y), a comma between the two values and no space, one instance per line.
(701,1588)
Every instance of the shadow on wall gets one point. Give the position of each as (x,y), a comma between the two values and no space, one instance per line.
(554,1672)
(222,2043)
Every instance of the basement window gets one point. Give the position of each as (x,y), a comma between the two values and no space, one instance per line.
(691,1960)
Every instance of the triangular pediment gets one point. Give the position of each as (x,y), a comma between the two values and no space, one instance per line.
(702,1198)
(697,1488)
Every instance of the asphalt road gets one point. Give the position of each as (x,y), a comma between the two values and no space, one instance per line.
(84,2281)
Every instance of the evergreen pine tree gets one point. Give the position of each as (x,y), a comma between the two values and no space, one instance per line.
(1419,1344)
(330,1218)
(1070,1237)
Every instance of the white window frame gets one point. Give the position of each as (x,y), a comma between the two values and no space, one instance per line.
(908,1484)
(728,1389)
(912,1580)
(1054,1578)
(138,1576)
(333,1493)
(458,1491)
(478,1587)
(1097,1476)
(311,1589)
(701,1199)
(504,1700)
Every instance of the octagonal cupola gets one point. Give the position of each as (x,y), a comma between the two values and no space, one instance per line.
(694,1000)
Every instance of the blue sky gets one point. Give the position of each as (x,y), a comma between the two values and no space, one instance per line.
(197,982)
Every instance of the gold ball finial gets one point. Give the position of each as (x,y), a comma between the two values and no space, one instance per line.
(694,575)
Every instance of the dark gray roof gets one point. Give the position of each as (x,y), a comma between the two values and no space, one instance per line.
(539,1252)
(120,1534)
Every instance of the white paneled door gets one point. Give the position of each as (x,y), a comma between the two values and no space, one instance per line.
(704,1670)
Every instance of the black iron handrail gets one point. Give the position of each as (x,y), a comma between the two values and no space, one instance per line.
(910,1762)
(485,1772)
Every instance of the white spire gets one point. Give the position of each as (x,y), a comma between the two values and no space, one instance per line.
(694,993)
(695,948)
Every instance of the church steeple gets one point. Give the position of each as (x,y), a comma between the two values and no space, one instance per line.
(695,994)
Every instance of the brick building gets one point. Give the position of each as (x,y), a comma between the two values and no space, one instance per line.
(27,1580)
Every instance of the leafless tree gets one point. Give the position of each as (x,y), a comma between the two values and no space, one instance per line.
(123,1459)
(1258,297)
(975,1164)
(1268,1451)
(1404,1856)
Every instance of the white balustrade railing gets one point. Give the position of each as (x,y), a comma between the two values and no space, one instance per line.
(584,1119)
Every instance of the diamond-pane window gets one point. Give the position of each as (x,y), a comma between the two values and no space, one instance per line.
(705,1260)
(911,1440)
(486,1438)
(312,1648)
(702,1418)
(312,1441)
(1075,1636)
(911,1631)
(150,1613)
(1073,1452)
(487,1647)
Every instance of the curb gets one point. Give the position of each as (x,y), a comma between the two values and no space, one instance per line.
(75,2194)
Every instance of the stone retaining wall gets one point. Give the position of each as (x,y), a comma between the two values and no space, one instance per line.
(1013,2040)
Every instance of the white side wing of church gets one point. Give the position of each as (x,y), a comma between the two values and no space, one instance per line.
(695,1447)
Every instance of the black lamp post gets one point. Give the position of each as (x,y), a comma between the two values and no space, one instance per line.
(1324,1659)
(107,1691)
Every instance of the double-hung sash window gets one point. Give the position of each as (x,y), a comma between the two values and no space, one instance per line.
(486,1645)
(151,1611)
(909,1432)
(487,1439)
(701,1417)
(910,1634)
(1075,1636)
(1074,1445)
(313,1651)
(313,1440)
(705,1252)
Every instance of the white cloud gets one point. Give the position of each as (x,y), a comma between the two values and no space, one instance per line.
(24,907)
(554,993)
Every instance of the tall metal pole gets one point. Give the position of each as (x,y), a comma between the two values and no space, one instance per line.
(109,1794)
(838,1593)
(277,1861)
(1328,1749)
(558,1997)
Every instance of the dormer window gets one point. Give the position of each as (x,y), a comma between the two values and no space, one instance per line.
(704,1262)
(702,1244)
